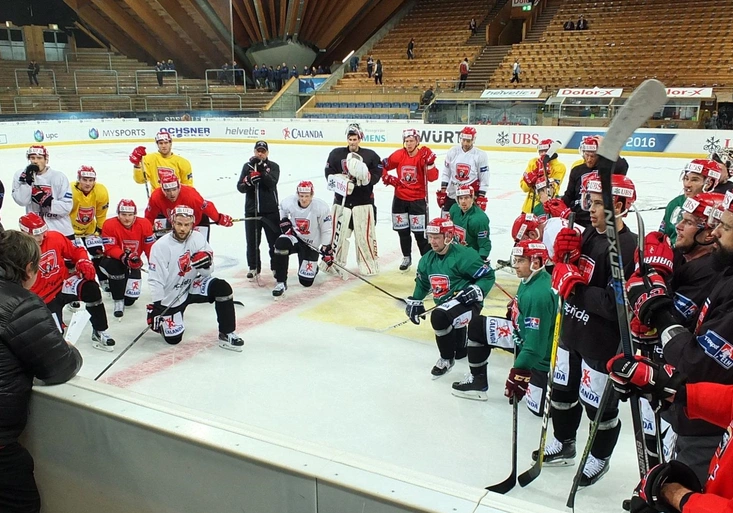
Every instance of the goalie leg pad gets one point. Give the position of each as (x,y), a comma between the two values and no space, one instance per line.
(365,239)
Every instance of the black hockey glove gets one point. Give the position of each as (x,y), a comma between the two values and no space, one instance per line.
(29,175)
(641,375)
(414,309)
(327,254)
(650,488)
(469,295)
(201,260)
(41,197)
(286,226)
(154,311)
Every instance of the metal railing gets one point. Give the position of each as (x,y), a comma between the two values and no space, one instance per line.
(106,98)
(166,74)
(186,99)
(95,54)
(226,78)
(214,96)
(44,71)
(34,99)
(97,72)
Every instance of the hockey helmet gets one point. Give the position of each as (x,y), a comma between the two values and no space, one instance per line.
(440,225)
(590,143)
(181,210)
(544,145)
(410,132)
(37,149)
(468,133)
(703,206)
(622,189)
(126,206)
(528,248)
(355,129)
(726,206)
(464,190)
(164,136)
(305,187)
(723,156)
(32,224)
(709,169)
(86,172)
(526,223)
(168,179)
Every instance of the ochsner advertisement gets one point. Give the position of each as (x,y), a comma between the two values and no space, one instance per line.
(661,142)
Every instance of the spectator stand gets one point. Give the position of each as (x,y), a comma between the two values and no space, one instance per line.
(100,83)
(106,103)
(215,76)
(97,60)
(44,76)
(146,82)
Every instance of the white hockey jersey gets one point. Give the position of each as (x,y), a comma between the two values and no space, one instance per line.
(313,224)
(464,168)
(55,184)
(170,267)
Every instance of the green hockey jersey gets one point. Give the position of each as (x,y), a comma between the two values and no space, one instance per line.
(472,229)
(534,315)
(672,216)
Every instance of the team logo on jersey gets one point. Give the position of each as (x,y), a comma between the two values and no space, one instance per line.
(131,246)
(463,172)
(685,306)
(459,234)
(303,226)
(408,174)
(532,323)
(586,266)
(585,379)
(717,348)
(184,263)
(166,170)
(440,285)
(85,215)
(48,265)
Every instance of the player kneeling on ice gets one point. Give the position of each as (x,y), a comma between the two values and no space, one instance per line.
(470,223)
(459,280)
(180,274)
(305,223)
(126,238)
(533,312)
(57,288)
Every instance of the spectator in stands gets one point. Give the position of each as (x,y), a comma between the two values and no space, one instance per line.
(463,70)
(320,70)
(378,71)
(159,70)
(354,63)
(238,73)
(33,72)
(370,66)
(294,72)
(306,71)
(472,26)
(569,25)
(284,74)
(271,79)
(278,80)
(516,70)
(256,76)
(170,66)
(313,72)
(713,123)
(427,96)
(411,49)
(582,23)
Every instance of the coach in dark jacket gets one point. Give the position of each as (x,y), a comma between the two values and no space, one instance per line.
(31,346)
(258,181)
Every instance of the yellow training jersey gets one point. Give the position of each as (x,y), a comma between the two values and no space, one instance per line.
(89,211)
(556,171)
(154,162)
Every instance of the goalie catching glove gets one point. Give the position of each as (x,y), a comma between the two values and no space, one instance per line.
(356,167)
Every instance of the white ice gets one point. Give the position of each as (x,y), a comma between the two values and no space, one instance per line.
(306,371)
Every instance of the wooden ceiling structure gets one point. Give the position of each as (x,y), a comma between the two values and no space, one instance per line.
(196,34)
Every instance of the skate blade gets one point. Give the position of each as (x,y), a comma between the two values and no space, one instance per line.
(106,349)
(559,463)
(473,395)
(237,349)
(438,377)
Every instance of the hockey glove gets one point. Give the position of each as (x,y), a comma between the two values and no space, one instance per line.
(225,221)
(516,384)
(254,161)
(649,489)
(356,167)
(427,157)
(154,311)
(415,309)
(137,155)
(470,295)
(392,180)
(567,245)
(253,178)
(286,226)
(85,269)
(201,260)
(642,375)
(556,208)
(564,279)
(327,254)
(29,175)
(132,260)
(482,202)
(642,333)
(41,197)
(441,195)
(658,253)
(531,178)
(647,295)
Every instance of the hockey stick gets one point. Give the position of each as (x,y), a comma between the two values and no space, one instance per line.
(401,323)
(533,472)
(507,294)
(240,219)
(648,98)
(183,291)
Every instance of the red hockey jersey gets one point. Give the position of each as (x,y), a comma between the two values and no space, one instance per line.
(51,269)
(411,173)
(159,205)
(117,239)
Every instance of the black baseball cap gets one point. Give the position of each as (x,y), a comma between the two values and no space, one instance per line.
(261,145)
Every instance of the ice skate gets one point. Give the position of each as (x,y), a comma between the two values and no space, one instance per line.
(104,285)
(231,341)
(102,341)
(406,263)
(119,308)
(594,470)
(557,453)
(252,274)
(442,367)
(279,289)
(472,387)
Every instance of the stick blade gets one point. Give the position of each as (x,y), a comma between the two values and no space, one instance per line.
(504,486)
(529,475)
(647,99)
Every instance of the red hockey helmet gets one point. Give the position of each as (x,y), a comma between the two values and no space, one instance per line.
(468,133)
(168,179)
(703,207)
(355,129)
(528,248)
(526,223)
(86,172)
(126,206)
(306,187)
(464,190)
(181,210)
(709,169)
(544,145)
(37,149)
(410,132)
(440,225)
(622,189)
(590,143)
(163,135)
(32,224)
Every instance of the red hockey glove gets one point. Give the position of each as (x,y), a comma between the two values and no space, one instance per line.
(516,384)
(642,333)
(137,155)
(647,294)
(327,254)
(253,178)
(649,488)
(531,178)
(225,221)
(556,208)
(482,202)
(641,375)
(201,260)
(389,179)
(40,197)
(85,269)
(658,253)
(441,196)
(565,277)
(427,157)
(567,245)
(132,260)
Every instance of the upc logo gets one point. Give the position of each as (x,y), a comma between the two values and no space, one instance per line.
(38,136)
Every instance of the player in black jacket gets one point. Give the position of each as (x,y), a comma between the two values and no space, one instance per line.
(258,181)
(31,346)
(589,333)
(352,172)
(571,198)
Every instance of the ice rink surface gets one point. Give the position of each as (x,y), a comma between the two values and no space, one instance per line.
(306,372)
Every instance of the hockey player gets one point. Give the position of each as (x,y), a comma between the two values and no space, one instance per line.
(540,228)
(464,165)
(415,168)
(88,213)
(44,191)
(470,224)
(54,285)
(180,274)
(306,224)
(533,313)
(352,172)
(146,168)
(534,176)
(590,333)
(572,196)
(126,238)
(172,193)
(258,182)
(699,175)
(459,280)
